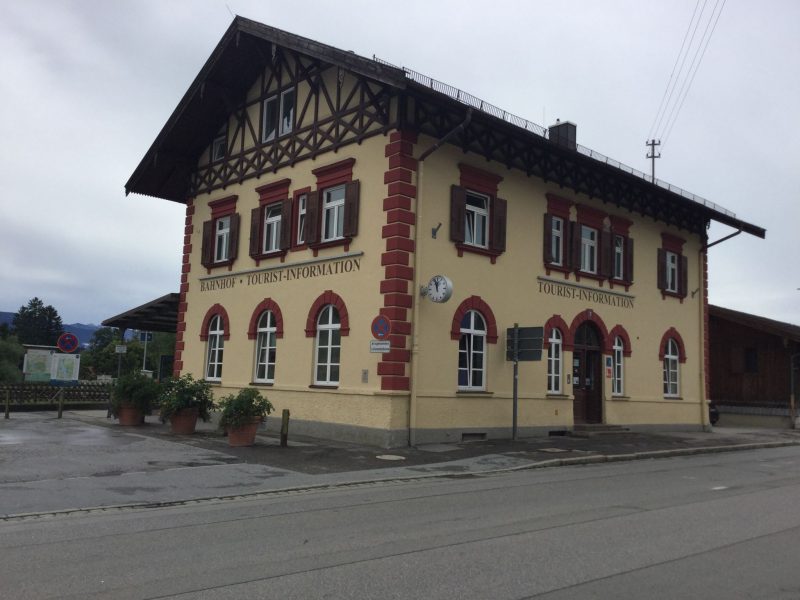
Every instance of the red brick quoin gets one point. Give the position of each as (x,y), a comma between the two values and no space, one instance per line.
(186,267)
(397,257)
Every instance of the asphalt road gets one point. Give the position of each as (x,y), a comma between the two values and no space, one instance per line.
(707,526)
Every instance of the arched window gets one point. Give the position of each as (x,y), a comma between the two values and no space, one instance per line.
(554,362)
(265,348)
(671,362)
(618,372)
(328,347)
(471,352)
(216,341)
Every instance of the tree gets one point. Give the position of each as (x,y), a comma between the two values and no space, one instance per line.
(11,353)
(37,324)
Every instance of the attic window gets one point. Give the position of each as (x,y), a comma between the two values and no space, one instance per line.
(218,147)
(278,115)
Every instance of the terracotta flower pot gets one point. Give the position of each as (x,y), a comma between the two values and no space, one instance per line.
(130,415)
(245,435)
(184,421)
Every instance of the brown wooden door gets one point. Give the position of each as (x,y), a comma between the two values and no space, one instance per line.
(587,382)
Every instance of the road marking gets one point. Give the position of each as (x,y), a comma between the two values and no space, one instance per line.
(719,487)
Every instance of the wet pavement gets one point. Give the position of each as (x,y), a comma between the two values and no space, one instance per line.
(85,460)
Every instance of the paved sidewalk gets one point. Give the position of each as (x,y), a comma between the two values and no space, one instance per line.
(85,460)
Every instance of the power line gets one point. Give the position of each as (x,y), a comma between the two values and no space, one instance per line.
(668,129)
(677,58)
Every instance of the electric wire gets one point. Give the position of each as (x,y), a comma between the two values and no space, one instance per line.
(683,62)
(668,129)
(671,75)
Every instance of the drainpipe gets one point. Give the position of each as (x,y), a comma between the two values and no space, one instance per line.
(703,261)
(792,384)
(415,284)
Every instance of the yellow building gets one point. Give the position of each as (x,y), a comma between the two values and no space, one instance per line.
(325,192)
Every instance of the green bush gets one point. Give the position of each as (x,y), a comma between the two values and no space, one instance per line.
(135,389)
(240,409)
(186,392)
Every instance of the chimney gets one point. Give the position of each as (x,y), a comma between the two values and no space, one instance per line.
(563,134)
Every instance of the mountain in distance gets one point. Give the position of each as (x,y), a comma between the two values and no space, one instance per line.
(83,332)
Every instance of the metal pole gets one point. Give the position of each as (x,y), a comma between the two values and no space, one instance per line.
(285,428)
(792,359)
(144,358)
(60,402)
(516,380)
(8,401)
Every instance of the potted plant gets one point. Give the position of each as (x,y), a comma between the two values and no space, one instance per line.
(241,415)
(183,400)
(133,398)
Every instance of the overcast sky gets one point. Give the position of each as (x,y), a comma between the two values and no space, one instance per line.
(87,85)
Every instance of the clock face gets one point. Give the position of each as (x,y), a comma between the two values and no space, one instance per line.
(440,288)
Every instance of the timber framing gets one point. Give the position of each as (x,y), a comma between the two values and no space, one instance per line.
(351,98)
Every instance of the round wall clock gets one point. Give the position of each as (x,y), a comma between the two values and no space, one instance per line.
(440,288)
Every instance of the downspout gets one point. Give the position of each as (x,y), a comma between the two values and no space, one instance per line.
(792,386)
(704,327)
(415,284)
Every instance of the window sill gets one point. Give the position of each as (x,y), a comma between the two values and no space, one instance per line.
(268,255)
(620,397)
(619,283)
(492,254)
(263,383)
(667,294)
(557,396)
(588,275)
(345,241)
(477,393)
(321,386)
(219,265)
(213,381)
(673,397)
(558,268)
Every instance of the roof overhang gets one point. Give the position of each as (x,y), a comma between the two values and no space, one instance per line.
(160,314)
(778,328)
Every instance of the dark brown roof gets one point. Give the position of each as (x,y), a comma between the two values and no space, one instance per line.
(787,330)
(160,314)
(246,46)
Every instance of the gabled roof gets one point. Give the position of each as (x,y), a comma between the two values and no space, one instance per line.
(779,328)
(245,48)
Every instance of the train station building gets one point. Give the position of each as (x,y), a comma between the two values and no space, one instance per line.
(359,239)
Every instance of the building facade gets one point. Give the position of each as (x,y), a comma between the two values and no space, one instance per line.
(324,192)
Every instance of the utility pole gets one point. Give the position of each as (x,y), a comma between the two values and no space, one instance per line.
(653,156)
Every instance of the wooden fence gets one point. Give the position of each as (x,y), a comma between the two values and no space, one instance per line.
(24,396)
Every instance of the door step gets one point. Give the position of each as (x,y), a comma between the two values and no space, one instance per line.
(585,430)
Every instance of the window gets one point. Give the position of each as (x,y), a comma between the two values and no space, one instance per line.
(265,348)
(671,284)
(554,362)
(287,112)
(619,257)
(278,115)
(333,213)
(216,342)
(557,241)
(588,249)
(618,374)
(272,229)
(672,267)
(671,360)
(301,218)
(270,119)
(218,148)
(222,239)
(476,218)
(220,234)
(328,347)
(471,352)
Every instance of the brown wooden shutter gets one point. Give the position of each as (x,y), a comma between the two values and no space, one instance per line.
(575,245)
(627,275)
(662,269)
(233,250)
(312,217)
(548,239)
(351,194)
(683,277)
(207,252)
(499,218)
(458,213)
(605,256)
(255,232)
(286,224)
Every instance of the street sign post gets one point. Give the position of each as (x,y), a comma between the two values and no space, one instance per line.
(522,343)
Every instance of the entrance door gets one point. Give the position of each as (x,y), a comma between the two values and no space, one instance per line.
(587,373)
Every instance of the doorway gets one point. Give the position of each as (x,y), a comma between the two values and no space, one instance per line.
(587,375)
